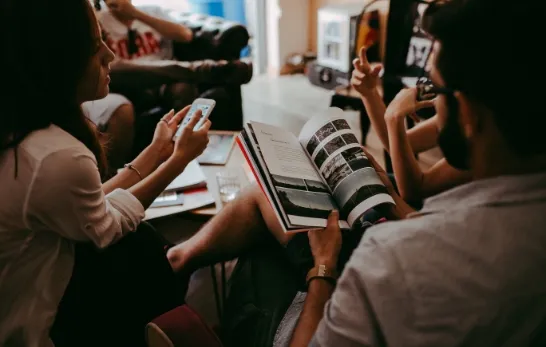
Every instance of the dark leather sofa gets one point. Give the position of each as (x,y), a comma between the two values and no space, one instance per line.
(211,61)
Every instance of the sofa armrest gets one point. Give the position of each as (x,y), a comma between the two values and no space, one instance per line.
(214,38)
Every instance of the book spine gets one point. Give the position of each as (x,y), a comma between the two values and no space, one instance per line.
(245,154)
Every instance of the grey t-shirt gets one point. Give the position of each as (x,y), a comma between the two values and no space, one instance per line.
(469,271)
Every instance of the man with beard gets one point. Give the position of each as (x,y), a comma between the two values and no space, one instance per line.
(468,269)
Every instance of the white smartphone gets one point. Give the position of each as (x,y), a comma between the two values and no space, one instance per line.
(205,105)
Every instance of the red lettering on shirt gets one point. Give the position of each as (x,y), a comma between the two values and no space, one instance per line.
(146,44)
(149,38)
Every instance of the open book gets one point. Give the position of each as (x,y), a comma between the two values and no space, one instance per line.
(305,178)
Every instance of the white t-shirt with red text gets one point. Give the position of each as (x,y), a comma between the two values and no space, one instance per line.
(151,45)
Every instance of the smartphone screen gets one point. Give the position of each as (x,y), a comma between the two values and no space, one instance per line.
(205,109)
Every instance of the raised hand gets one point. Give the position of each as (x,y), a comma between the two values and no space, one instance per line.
(365,77)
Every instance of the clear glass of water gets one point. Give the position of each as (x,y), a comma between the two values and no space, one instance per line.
(228,185)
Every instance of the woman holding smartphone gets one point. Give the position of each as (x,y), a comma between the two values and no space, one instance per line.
(77,267)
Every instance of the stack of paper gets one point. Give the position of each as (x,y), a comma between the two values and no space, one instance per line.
(192,177)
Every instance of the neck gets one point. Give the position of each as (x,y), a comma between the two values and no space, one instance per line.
(501,162)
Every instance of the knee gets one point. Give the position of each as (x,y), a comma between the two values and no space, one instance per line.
(252,198)
(219,94)
(255,193)
(124,116)
(181,94)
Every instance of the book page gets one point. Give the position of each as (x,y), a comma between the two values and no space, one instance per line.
(340,160)
(299,189)
(283,153)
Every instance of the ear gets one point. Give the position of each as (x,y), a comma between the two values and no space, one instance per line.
(470,117)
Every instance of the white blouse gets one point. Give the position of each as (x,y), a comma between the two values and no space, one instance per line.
(55,200)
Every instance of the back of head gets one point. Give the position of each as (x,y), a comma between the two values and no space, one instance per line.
(489,51)
(46,49)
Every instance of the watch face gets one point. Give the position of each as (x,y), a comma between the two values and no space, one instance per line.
(322,271)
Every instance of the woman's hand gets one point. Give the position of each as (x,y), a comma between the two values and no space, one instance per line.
(365,78)
(163,142)
(326,243)
(190,144)
(405,104)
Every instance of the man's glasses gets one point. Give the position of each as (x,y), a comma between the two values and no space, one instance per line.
(427,90)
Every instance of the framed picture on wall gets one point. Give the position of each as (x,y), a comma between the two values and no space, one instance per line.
(420,44)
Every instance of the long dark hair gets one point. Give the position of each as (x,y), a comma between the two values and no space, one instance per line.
(46,48)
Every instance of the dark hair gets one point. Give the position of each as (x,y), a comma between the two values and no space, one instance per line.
(488,50)
(46,49)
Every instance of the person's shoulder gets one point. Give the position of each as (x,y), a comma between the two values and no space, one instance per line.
(393,233)
(402,241)
(43,143)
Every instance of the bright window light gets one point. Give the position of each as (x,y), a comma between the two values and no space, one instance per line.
(176,5)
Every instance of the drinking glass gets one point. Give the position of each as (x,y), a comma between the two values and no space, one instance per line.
(228,185)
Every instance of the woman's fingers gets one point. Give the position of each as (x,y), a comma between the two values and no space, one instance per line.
(177,118)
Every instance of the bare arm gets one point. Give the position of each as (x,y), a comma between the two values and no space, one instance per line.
(406,169)
(393,212)
(146,163)
(148,189)
(150,158)
(169,30)
(318,294)
(424,135)
(413,183)
(442,176)
(179,153)
(365,79)
(375,107)
(187,147)
(325,245)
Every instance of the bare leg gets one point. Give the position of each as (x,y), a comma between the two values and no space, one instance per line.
(120,136)
(178,95)
(238,226)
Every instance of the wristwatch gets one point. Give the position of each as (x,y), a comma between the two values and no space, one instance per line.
(321,271)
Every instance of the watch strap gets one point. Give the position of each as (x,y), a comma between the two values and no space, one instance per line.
(323,272)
